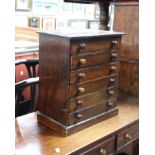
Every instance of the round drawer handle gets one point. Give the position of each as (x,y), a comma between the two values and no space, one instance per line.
(112,80)
(113,68)
(114,43)
(111,92)
(82,75)
(110,104)
(82,46)
(114,55)
(83,61)
(103,152)
(79,102)
(81,90)
(128,137)
(79,116)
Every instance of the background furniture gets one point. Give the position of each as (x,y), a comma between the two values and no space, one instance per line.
(126,19)
(26,89)
(23,105)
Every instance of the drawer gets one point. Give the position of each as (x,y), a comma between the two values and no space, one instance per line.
(90,112)
(92,99)
(103,148)
(82,75)
(127,135)
(86,46)
(93,85)
(93,59)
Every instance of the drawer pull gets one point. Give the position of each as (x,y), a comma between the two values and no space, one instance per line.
(113,68)
(110,104)
(103,152)
(82,75)
(114,43)
(79,103)
(81,90)
(112,80)
(114,55)
(128,137)
(82,46)
(83,61)
(111,92)
(79,116)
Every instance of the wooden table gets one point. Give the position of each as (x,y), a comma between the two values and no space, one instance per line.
(35,139)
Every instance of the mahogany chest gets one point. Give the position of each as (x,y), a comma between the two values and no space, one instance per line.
(78,73)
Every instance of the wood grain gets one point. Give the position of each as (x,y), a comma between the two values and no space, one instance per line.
(36,139)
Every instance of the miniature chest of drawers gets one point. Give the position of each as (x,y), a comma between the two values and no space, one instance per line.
(78,73)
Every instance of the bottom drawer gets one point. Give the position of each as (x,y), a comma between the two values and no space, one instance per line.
(128,135)
(104,148)
(84,114)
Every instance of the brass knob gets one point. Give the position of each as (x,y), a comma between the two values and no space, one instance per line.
(83,61)
(113,68)
(128,137)
(112,80)
(103,152)
(111,92)
(79,116)
(114,43)
(82,75)
(79,102)
(114,55)
(110,104)
(81,90)
(82,46)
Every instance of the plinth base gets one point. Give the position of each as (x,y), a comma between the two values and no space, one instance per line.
(68,130)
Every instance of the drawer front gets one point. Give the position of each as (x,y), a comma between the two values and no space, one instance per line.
(127,135)
(87,113)
(83,61)
(104,148)
(94,72)
(86,46)
(94,85)
(92,99)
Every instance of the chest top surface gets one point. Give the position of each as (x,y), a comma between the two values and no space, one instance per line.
(81,33)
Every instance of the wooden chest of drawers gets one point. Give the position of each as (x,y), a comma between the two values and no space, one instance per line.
(78,78)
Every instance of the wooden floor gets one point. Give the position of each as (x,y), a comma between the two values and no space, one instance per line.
(35,139)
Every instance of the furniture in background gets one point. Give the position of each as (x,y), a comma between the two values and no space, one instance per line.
(126,19)
(26,89)
(23,105)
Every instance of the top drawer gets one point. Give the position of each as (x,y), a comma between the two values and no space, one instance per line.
(84,45)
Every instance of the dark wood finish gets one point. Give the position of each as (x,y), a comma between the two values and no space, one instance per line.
(22,105)
(103,148)
(25,89)
(35,138)
(96,58)
(104,15)
(92,86)
(54,77)
(80,125)
(21,72)
(130,149)
(92,99)
(126,19)
(83,75)
(90,112)
(58,59)
(103,44)
(127,135)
